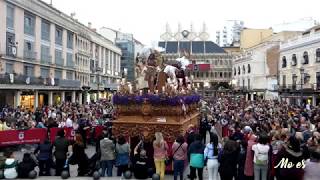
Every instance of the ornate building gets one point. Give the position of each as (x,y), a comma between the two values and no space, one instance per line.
(211,65)
(47,56)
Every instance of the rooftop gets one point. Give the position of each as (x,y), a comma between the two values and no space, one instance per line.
(198,47)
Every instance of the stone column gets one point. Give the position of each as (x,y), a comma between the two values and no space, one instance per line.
(80,98)
(36,99)
(63,96)
(314,100)
(50,98)
(73,96)
(252,97)
(17,97)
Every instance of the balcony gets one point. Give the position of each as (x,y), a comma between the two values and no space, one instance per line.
(69,83)
(30,55)
(26,80)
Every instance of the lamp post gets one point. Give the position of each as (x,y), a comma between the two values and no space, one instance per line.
(301,88)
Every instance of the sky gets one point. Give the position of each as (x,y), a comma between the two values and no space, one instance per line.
(146,19)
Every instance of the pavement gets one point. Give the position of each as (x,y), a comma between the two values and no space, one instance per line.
(90,151)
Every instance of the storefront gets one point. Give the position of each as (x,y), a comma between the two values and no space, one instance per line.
(27,100)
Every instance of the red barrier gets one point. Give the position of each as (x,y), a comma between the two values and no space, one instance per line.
(68,132)
(30,136)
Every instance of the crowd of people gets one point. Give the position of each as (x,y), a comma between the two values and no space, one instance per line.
(260,140)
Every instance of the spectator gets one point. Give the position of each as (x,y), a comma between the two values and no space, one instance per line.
(61,145)
(248,167)
(26,166)
(44,157)
(260,159)
(241,160)
(107,149)
(79,156)
(160,147)
(196,158)
(140,167)
(211,154)
(179,149)
(313,165)
(227,160)
(123,155)
(10,166)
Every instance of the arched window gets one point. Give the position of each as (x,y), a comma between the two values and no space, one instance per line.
(243,69)
(294,60)
(284,62)
(239,70)
(234,71)
(249,68)
(305,57)
(318,55)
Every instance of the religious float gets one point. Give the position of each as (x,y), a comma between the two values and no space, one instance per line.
(161,100)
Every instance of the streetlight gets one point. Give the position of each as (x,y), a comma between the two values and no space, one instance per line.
(301,88)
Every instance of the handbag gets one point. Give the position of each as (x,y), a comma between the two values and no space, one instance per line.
(170,159)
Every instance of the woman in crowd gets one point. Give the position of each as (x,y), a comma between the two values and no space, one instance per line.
(122,155)
(160,148)
(211,154)
(179,149)
(228,160)
(196,157)
(261,157)
(292,153)
(312,166)
(44,156)
(79,155)
(140,166)
(26,166)
(10,166)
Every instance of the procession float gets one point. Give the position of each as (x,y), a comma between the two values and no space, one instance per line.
(161,100)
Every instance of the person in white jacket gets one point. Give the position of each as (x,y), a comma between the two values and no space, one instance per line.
(10,166)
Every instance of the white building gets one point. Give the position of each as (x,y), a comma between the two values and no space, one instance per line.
(298,25)
(299,66)
(255,70)
(46,56)
(230,34)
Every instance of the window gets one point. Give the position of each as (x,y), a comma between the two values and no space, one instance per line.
(28,52)
(107,59)
(58,74)
(284,62)
(58,35)
(294,60)
(70,60)
(9,68)
(58,57)
(220,74)
(29,22)
(70,40)
(28,71)
(70,75)
(249,68)
(234,71)
(44,72)
(248,83)
(243,69)
(318,55)
(45,54)
(10,17)
(45,30)
(239,70)
(305,58)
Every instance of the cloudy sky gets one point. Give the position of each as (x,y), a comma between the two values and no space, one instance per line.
(146,19)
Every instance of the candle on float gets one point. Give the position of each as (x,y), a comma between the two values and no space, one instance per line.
(195,89)
(118,88)
(163,89)
(140,92)
(198,85)
(189,86)
(149,91)
(156,91)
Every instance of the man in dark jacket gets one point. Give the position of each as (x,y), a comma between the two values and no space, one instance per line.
(44,157)
(61,145)
(26,166)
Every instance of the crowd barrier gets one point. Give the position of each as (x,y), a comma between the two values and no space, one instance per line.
(38,135)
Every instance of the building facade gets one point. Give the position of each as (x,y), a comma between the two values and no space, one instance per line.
(47,56)
(299,68)
(211,66)
(230,34)
(252,37)
(255,71)
(129,48)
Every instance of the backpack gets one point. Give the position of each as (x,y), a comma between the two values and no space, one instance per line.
(261,158)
